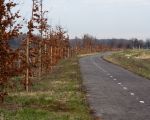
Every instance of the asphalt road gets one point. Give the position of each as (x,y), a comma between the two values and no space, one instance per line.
(113,92)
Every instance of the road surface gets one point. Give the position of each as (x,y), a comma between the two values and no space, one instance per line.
(113,92)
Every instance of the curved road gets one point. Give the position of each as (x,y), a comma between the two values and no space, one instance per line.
(113,92)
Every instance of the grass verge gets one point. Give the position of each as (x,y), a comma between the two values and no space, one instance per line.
(137,61)
(58,96)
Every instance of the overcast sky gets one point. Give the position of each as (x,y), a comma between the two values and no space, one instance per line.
(100,18)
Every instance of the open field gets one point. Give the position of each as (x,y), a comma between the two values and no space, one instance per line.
(58,96)
(137,61)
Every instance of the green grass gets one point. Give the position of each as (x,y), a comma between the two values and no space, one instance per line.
(58,96)
(137,61)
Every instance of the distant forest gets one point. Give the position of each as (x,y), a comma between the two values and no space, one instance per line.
(133,43)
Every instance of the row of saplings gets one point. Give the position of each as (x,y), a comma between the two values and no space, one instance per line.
(37,54)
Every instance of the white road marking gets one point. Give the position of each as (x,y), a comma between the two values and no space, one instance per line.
(132,94)
(119,83)
(125,88)
(111,76)
(142,102)
(115,79)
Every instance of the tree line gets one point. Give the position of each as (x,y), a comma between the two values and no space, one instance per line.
(41,48)
(88,44)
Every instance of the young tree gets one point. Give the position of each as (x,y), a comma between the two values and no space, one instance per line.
(31,43)
(42,27)
(8,30)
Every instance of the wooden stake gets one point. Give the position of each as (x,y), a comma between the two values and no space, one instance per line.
(51,56)
(27,62)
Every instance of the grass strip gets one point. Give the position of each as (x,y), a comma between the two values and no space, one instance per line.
(58,96)
(137,61)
